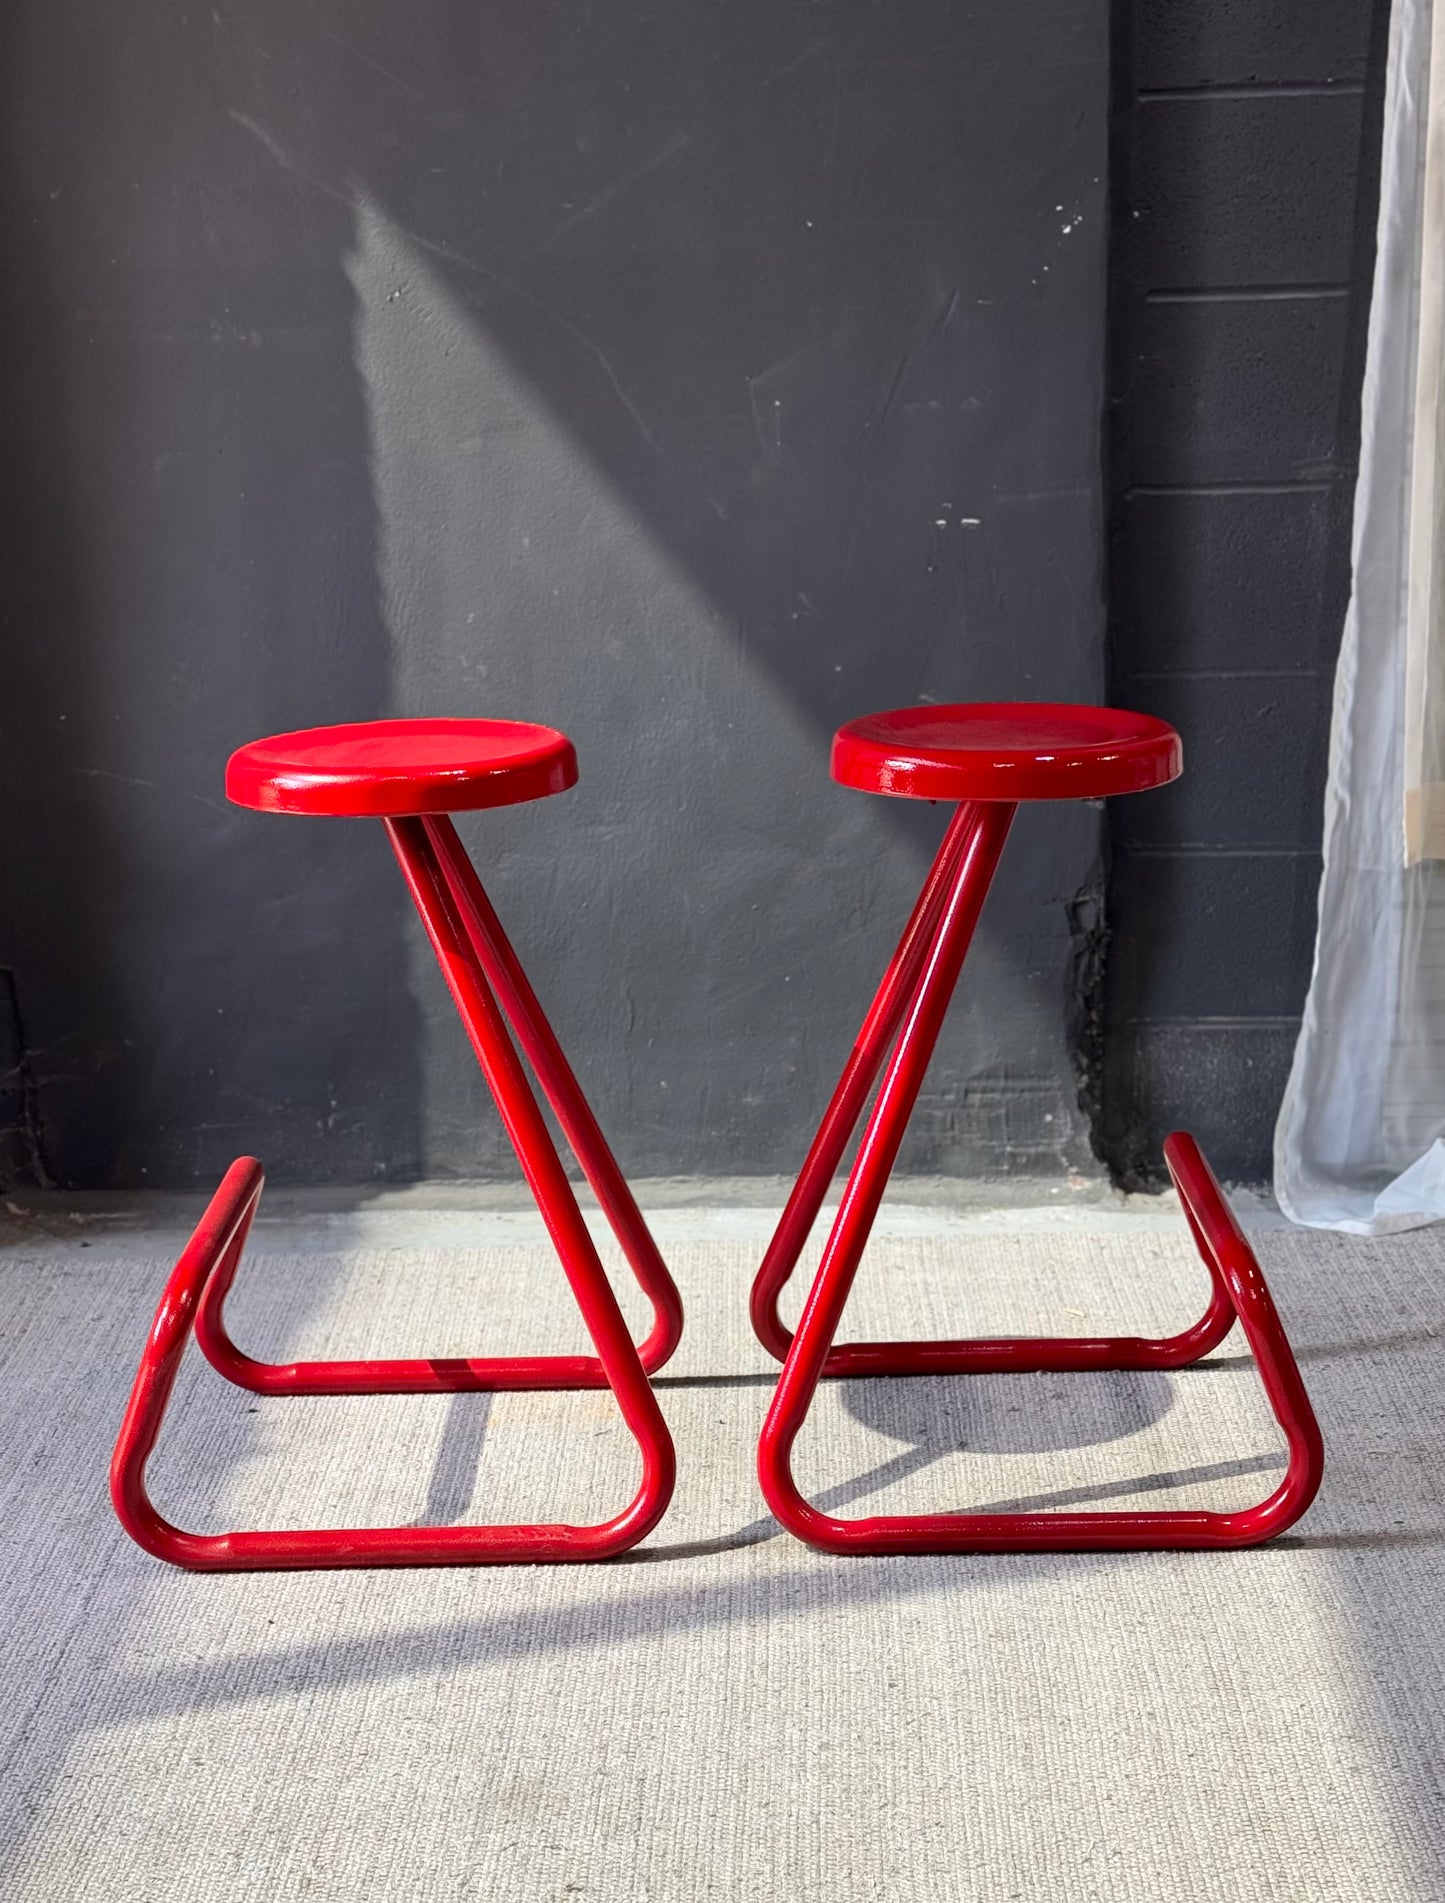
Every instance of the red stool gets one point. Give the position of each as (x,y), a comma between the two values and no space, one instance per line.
(987,758)
(411,774)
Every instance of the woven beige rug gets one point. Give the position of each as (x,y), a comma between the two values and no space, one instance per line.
(725,1714)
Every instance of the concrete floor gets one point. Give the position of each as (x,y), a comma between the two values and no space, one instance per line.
(723,1713)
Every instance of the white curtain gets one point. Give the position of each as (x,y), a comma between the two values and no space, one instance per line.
(1360,1144)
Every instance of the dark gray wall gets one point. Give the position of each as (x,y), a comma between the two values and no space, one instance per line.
(1246,153)
(692,375)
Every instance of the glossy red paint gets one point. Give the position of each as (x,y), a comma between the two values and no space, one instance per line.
(382,769)
(489,988)
(1006,750)
(902,1028)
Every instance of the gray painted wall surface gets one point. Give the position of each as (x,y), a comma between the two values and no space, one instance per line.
(690,375)
(1246,158)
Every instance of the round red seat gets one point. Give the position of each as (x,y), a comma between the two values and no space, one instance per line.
(1006,750)
(383,769)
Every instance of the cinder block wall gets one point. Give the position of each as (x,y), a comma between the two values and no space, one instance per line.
(1245,178)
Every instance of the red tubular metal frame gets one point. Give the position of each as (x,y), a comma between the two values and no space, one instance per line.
(906,1017)
(479,966)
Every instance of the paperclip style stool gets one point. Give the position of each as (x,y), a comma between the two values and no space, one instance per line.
(986,759)
(411,774)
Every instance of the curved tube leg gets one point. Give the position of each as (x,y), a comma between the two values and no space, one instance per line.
(1233,1267)
(472,949)
(217,1239)
(213,1251)
(880,1028)
(896,996)
(1223,1242)
(504,973)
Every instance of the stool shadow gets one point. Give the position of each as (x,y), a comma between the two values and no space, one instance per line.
(941,1415)
(1330,1350)
(765,1378)
(935,1416)
(453,1483)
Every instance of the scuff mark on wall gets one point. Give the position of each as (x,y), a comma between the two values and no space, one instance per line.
(22,1135)
(1084,1004)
